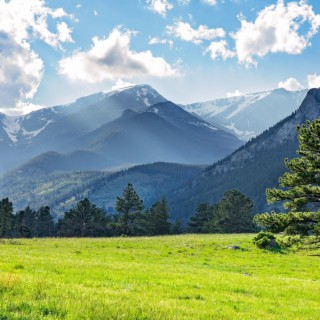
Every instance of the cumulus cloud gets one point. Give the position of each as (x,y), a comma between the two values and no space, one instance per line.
(111,58)
(184,31)
(278,28)
(236,93)
(21,68)
(159,6)
(157,40)
(291,84)
(219,49)
(121,84)
(209,2)
(313,81)
(20,72)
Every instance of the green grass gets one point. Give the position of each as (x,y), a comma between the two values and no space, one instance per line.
(176,277)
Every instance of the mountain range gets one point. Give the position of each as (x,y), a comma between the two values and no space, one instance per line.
(53,149)
(249,115)
(130,126)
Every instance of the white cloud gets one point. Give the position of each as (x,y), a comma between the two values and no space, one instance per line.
(20,72)
(219,49)
(159,6)
(21,68)
(121,84)
(64,32)
(278,28)
(291,84)
(313,81)
(111,58)
(95,12)
(184,31)
(157,40)
(236,93)
(21,108)
(209,2)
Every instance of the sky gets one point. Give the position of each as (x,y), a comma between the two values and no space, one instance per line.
(53,52)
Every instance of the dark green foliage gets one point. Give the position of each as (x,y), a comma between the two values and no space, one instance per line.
(292,223)
(157,219)
(44,225)
(177,227)
(197,223)
(6,218)
(29,223)
(85,220)
(128,206)
(265,240)
(233,214)
(25,223)
(300,186)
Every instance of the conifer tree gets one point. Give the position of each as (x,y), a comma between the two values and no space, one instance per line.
(44,225)
(85,220)
(299,188)
(197,222)
(158,218)
(6,218)
(128,206)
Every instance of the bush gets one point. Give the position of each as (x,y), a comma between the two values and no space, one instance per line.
(265,240)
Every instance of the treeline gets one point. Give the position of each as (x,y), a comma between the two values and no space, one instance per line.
(87,220)
(233,214)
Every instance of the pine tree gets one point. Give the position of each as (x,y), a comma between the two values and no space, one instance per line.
(158,218)
(299,188)
(197,222)
(235,213)
(24,223)
(128,206)
(85,220)
(6,218)
(44,225)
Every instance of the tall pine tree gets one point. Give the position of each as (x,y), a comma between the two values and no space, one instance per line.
(6,218)
(299,188)
(129,207)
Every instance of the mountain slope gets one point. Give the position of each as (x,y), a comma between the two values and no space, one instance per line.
(252,168)
(251,114)
(24,137)
(61,191)
(163,132)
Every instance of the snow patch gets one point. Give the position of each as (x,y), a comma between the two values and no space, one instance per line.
(244,135)
(31,134)
(12,126)
(248,100)
(202,124)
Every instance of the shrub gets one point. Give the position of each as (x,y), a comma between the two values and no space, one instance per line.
(265,240)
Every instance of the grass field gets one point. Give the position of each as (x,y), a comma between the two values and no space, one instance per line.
(175,277)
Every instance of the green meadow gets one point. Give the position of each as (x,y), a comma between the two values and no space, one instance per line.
(174,277)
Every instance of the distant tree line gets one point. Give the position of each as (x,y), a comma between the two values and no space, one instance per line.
(87,220)
(231,215)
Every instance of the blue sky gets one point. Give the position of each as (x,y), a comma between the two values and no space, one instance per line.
(52,52)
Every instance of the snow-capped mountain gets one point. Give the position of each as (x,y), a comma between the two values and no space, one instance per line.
(251,114)
(107,126)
